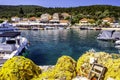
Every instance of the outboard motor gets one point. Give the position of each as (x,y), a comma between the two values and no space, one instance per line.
(18,40)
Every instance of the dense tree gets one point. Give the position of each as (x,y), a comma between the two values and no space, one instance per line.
(21,12)
(92,12)
(91,21)
(98,22)
(1,21)
(106,24)
(30,15)
(38,14)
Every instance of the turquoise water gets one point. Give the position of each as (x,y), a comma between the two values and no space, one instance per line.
(46,46)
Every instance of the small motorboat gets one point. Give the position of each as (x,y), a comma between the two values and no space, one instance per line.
(11,45)
(108,35)
(60,28)
(98,29)
(105,35)
(83,28)
(5,26)
(49,28)
(34,28)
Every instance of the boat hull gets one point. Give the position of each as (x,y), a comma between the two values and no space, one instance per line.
(83,28)
(106,39)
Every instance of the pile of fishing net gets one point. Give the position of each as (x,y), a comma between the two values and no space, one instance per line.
(19,68)
(65,69)
(110,61)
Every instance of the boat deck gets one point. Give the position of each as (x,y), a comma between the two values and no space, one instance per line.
(2,61)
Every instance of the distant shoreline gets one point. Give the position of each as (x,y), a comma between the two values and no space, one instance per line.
(74,27)
(118,29)
(94,28)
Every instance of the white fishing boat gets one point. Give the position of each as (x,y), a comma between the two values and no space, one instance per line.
(60,28)
(5,26)
(49,28)
(11,45)
(34,28)
(109,35)
(83,28)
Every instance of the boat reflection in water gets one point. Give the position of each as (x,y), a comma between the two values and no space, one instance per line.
(105,44)
(117,44)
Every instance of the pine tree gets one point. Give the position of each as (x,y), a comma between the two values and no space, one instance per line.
(21,12)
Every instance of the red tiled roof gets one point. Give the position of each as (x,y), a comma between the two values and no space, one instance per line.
(108,18)
(32,18)
(84,19)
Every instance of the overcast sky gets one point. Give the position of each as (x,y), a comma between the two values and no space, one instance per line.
(60,3)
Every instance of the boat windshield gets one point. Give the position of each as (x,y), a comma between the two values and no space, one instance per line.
(2,39)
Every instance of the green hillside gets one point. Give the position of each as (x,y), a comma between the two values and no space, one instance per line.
(94,11)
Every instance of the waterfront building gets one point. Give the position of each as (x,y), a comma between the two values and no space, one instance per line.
(108,22)
(15,19)
(64,22)
(25,19)
(45,18)
(55,18)
(32,19)
(108,19)
(86,22)
(83,22)
(115,25)
(31,24)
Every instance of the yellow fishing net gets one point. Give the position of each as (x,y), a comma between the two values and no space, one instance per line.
(63,70)
(19,68)
(66,68)
(110,61)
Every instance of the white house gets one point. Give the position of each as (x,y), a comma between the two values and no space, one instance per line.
(15,19)
(45,17)
(55,18)
(86,22)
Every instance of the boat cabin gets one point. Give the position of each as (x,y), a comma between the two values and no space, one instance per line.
(11,44)
(9,40)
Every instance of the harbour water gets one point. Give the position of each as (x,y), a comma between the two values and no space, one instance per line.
(46,46)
